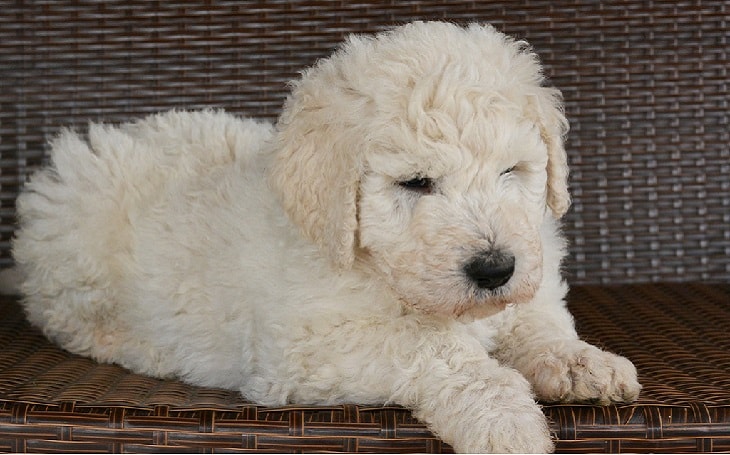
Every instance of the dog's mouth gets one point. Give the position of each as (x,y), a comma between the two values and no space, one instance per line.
(496,279)
(487,303)
(492,284)
(476,302)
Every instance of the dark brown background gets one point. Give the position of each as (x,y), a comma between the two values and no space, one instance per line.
(645,86)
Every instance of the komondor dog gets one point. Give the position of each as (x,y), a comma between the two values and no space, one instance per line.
(394,238)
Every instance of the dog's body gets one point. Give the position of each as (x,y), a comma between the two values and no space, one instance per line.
(392,239)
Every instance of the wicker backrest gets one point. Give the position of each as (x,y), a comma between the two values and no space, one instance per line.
(645,85)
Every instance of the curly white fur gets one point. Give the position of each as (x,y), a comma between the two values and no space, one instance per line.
(326,259)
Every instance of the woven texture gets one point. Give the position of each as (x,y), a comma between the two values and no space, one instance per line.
(645,84)
(676,335)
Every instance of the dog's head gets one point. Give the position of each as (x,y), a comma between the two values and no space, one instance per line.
(434,154)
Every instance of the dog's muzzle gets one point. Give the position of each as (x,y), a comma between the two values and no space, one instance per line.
(490,269)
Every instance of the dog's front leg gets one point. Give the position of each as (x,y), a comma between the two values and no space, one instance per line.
(467,398)
(433,366)
(539,340)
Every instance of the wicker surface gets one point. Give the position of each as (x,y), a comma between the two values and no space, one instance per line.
(645,84)
(676,334)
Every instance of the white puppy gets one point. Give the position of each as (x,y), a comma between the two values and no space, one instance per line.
(394,238)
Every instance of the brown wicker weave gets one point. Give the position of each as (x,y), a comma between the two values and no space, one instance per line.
(646,90)
(645,85)
(676,334)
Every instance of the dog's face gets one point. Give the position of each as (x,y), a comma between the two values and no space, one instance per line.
(433,156)
(455,224)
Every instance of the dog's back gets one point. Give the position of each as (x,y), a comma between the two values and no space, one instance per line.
(79,216)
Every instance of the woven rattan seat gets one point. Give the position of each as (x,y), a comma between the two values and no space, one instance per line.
(51,400)
(646,91)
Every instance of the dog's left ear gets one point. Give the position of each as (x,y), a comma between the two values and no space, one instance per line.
(549,116)
(316,170)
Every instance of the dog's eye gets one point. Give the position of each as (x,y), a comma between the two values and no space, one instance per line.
(422,185)
(509,170)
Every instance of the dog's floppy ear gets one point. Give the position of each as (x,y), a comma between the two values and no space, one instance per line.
(315,170)
(553,126)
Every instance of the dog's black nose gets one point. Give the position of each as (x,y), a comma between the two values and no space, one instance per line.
(491,269)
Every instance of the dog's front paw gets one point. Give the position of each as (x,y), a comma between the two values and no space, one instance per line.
(493,411)
(503,417)
(578,371)
(516,430)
